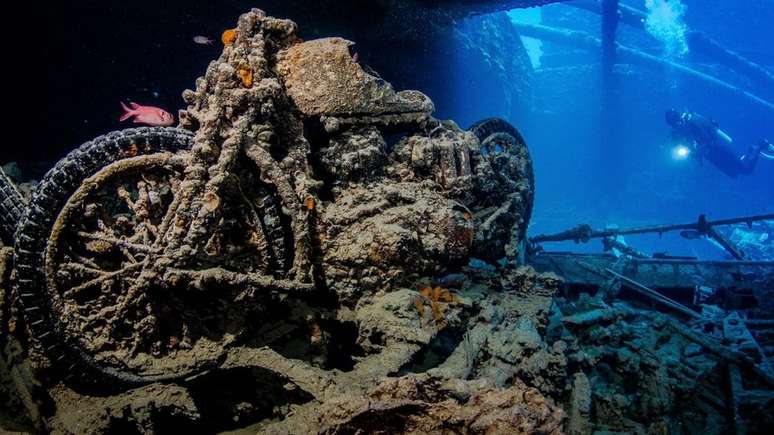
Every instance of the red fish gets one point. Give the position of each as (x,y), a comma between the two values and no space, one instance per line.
(147,115)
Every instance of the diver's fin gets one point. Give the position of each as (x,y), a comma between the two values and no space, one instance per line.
(767,149)
(723,135)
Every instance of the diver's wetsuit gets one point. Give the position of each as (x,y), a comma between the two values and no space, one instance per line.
(711,143)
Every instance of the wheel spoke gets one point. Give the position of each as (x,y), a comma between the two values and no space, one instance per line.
(78,267)
(114,292)
(87,261)
(166,221)
(134,296)
(117,242)
(74,291)
(128,255)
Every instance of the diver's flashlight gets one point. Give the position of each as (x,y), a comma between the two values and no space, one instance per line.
(681,152)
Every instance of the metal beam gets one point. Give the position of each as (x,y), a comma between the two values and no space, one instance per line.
(697,42)
(656,296)
(584,233)
(574,38)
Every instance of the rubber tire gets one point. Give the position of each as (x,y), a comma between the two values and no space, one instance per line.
(12,207)
(34,230)
(489,126)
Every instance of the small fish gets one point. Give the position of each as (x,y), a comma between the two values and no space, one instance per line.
(202,40)
(147,115)
(355,57)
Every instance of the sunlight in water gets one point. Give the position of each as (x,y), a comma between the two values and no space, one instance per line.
(534,46)
(665,23)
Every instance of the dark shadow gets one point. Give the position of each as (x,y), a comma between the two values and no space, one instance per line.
(236,398)
(436,352)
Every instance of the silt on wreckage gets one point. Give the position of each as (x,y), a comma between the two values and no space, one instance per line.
(311,251)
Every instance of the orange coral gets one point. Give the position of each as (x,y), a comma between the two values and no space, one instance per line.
(420,306)
(436,296)
(309,202)
(228,37)
(246,75)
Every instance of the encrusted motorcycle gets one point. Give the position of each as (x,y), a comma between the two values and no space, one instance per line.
(297,191)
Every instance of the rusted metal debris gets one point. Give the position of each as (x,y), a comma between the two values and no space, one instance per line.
(713,314)
(656,296)
(654,272)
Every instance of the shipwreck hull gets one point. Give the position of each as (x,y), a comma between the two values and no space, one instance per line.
(588,270)
(315,229)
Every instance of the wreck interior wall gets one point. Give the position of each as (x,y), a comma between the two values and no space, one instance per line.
(483,70)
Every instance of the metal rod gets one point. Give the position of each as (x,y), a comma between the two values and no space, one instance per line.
(626,14)
(662,261)
(656,261)
(759,322)
(652,294)
(723,351)
(610,18)
(584,232)
(734,389)
(725,243)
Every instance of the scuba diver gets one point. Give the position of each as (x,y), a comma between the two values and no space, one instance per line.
(705,140)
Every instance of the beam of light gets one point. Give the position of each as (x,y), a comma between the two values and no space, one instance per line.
(681,152)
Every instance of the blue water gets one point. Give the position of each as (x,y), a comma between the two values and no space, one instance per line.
(601,149)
